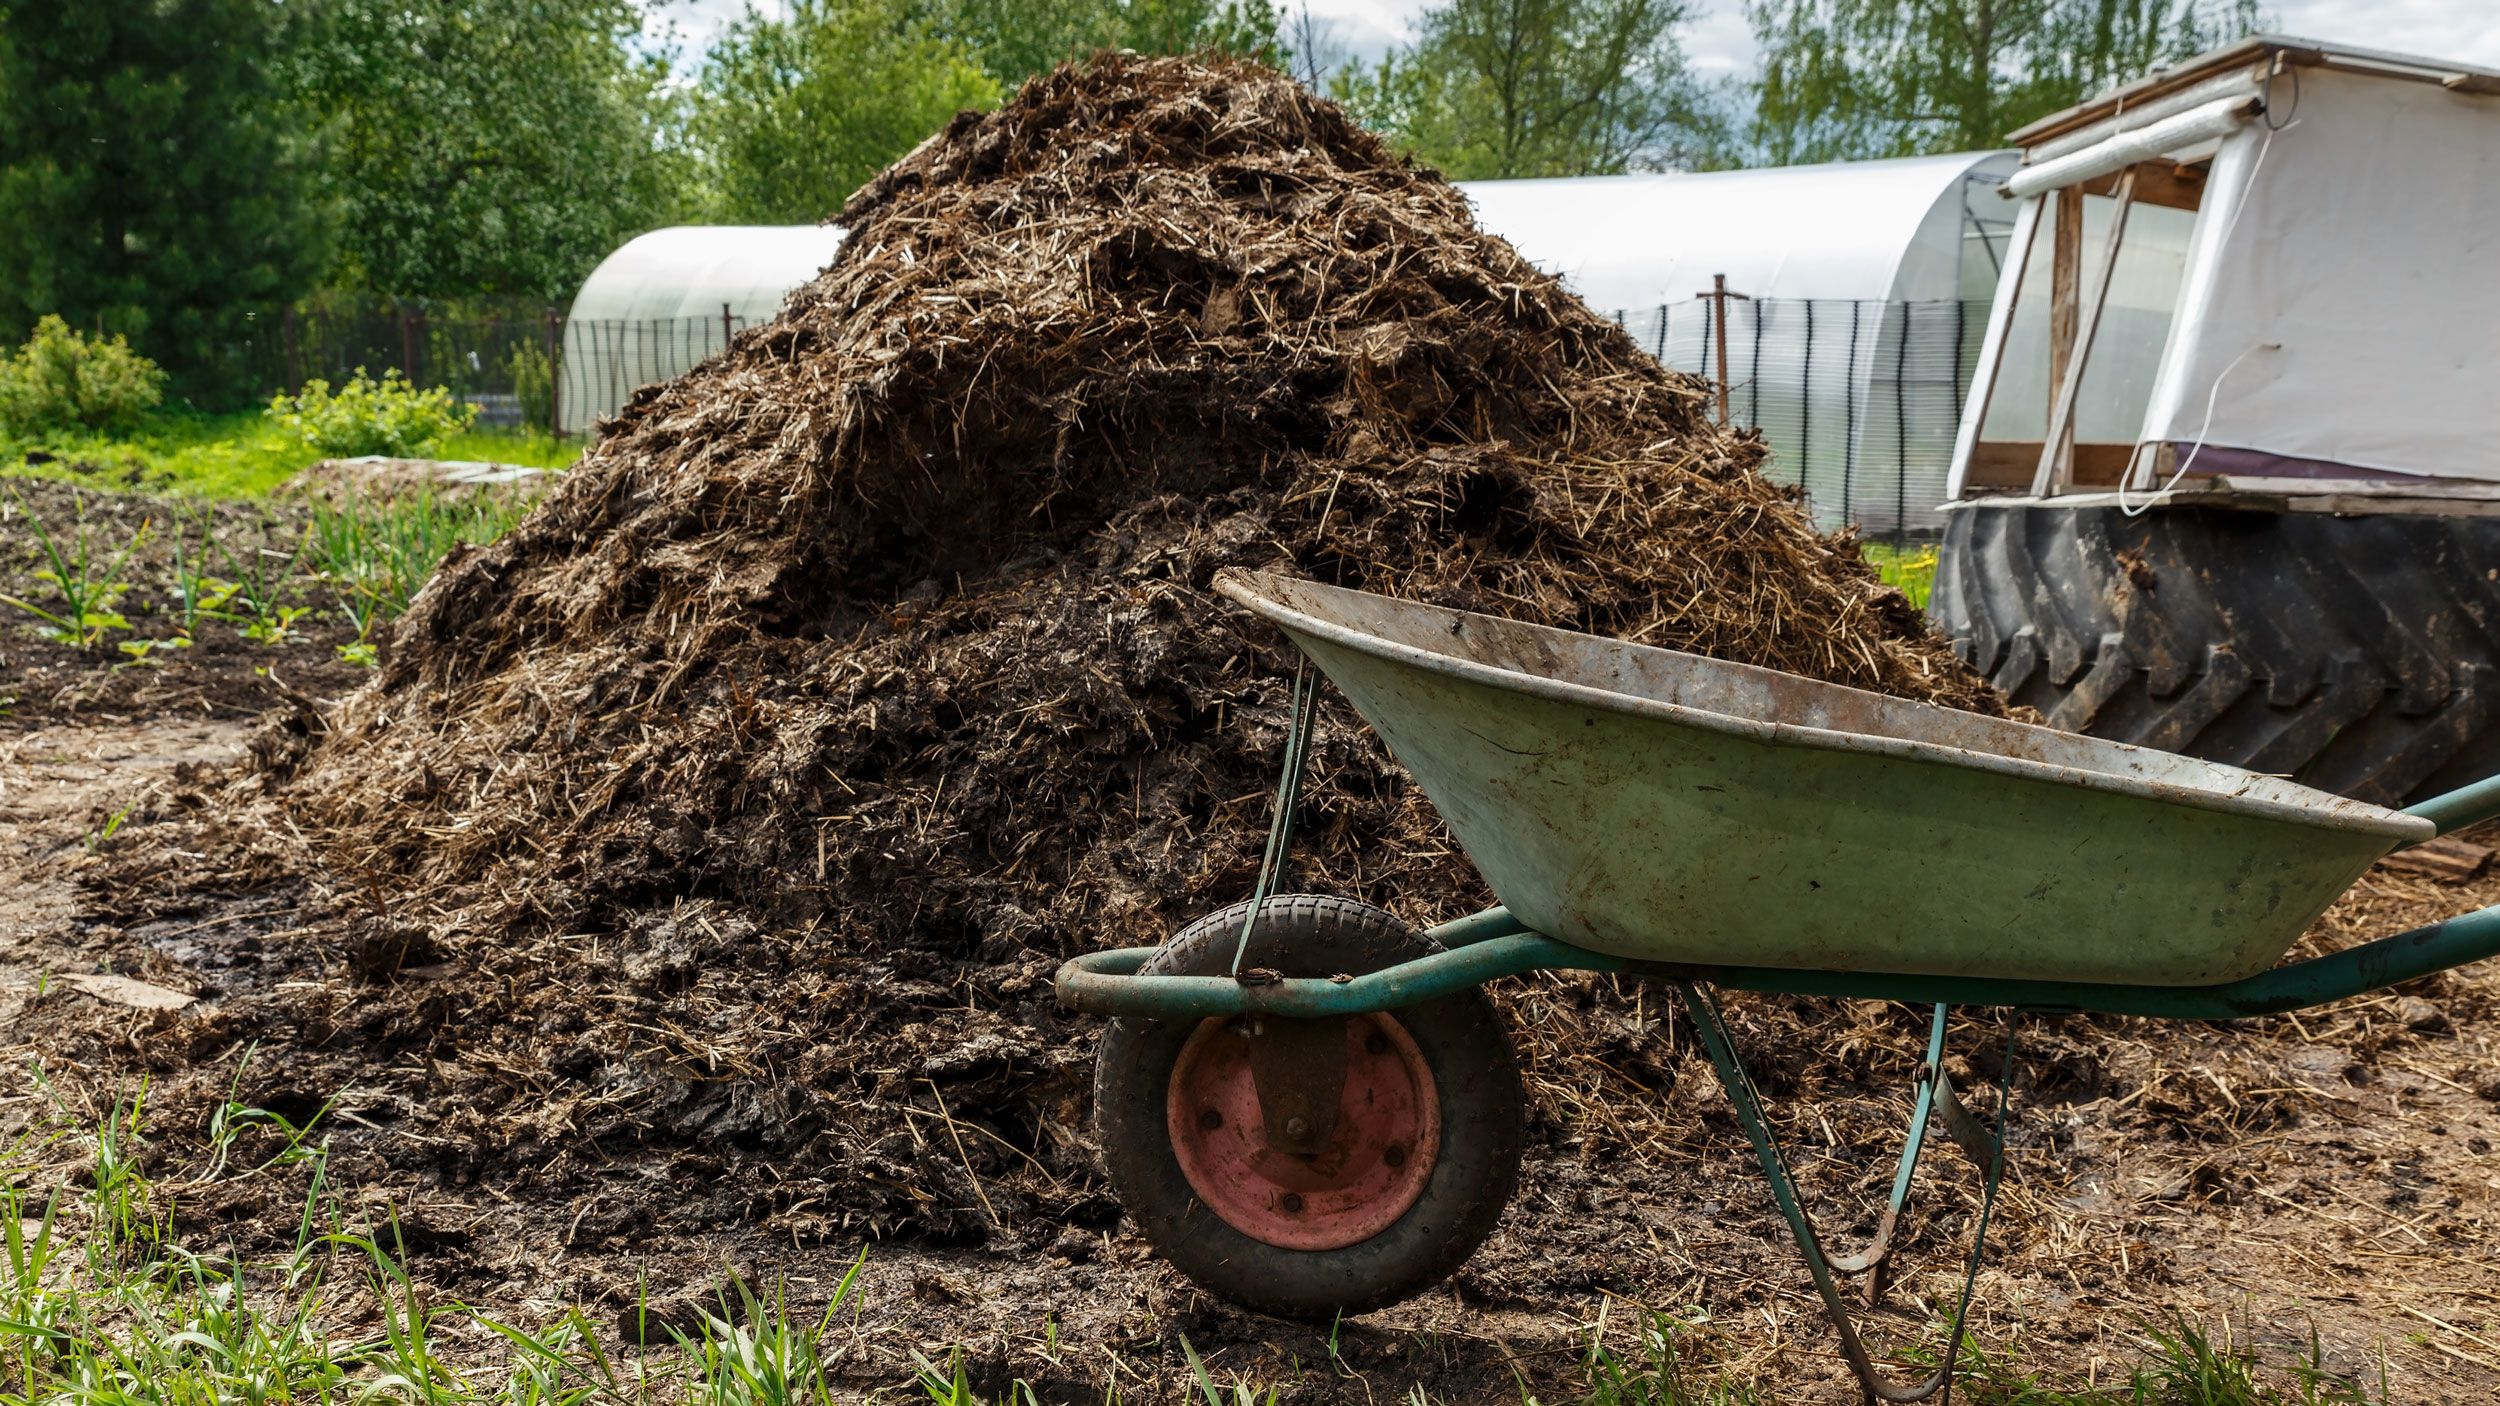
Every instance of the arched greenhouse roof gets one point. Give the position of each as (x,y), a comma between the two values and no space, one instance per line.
(666,300)
(1918,229)
(1861,229)
(693,270)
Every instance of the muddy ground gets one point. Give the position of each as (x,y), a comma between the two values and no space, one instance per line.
(2330,1174)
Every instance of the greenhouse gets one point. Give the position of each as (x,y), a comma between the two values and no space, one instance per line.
(1856,297)
(1857,294)
(668,299)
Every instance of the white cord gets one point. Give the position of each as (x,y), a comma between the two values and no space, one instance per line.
(2213,393)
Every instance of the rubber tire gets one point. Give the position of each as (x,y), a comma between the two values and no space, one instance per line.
(2358,655)
(1462,1041)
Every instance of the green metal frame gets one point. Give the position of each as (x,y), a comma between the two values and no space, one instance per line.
(1985,1148)
(1491,944)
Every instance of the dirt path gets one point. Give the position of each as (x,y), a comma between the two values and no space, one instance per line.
(61,788)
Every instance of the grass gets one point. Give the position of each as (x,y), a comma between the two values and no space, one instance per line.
(381,552)
(1911,568)
(101,1305)
(239,455)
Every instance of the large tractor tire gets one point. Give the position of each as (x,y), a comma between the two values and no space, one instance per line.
(2359,655)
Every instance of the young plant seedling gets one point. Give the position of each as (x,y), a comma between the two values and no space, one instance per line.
(90,591)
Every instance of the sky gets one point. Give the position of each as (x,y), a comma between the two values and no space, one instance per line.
(1719,42)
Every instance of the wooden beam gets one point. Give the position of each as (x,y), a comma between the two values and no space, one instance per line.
(2057,458)
(2142,91)
(2010,463)
(2065,291)
(2176,185)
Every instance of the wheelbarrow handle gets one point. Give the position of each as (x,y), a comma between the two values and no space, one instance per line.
(2466,805)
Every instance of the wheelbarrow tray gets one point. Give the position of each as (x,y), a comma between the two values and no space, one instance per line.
(1664,807)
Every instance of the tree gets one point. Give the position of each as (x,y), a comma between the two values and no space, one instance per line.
(1846,79)
(794,114)
(153,179)
(1504,88)
(1015,39)
(1312,44)
(489,146)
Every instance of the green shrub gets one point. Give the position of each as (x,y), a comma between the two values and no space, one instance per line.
(365,416)
(62,381)
(533,384)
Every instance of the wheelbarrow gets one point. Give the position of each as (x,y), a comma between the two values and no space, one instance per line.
(1311,1109)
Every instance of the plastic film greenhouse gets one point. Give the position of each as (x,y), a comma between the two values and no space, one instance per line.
(1855,298)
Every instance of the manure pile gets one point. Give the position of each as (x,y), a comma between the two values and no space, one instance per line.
(728,818)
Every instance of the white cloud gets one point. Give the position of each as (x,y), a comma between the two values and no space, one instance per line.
(695,24)
(2459,31)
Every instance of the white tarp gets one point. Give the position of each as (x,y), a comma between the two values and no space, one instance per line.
(2352,317)
(1863,229)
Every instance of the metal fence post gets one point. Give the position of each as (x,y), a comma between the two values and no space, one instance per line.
(1805,412)
(1849,417)
(555,376)
(1901,427)
(1753,378)
(728,333)
(1961,310)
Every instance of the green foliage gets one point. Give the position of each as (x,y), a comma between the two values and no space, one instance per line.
(1507,88)
(1851,79)
(533,384)
(1909,570)
(61,380)
(366,416)
(156,175)
(240,455)
(489,149)
(254,600)
(787,130)
(1015,39)
(789,126)
(88,583)
(375,555)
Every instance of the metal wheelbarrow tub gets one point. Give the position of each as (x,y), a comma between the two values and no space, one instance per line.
(1663,807)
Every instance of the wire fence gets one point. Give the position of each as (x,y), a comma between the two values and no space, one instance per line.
(523,364)
(1858,400)
(607,359)
(495,353)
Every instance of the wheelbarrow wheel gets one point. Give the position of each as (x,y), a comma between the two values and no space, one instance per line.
(1387,1201)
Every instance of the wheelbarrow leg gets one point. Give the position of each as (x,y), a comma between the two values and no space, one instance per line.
(1936,1097)
(1741,1092)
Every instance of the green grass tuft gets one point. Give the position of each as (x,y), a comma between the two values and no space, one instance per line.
(1912,570)
(241,455)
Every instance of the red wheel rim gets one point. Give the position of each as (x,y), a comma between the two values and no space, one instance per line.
(1375,1165)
